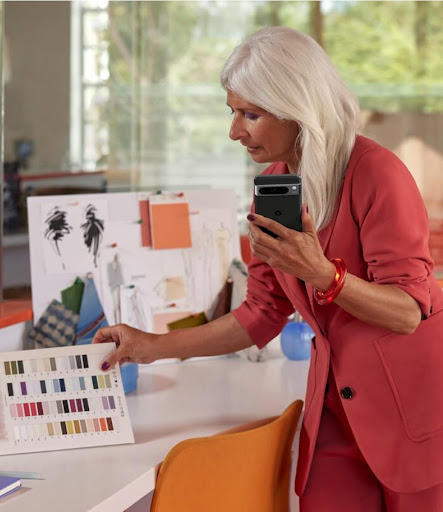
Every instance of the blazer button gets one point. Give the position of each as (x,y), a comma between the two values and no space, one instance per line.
(347,393)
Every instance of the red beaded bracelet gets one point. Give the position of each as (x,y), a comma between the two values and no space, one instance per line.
(324,298)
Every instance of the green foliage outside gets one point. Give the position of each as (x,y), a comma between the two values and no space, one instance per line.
(390,53)
(165,59)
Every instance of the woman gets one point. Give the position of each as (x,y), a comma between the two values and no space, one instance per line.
(359,273)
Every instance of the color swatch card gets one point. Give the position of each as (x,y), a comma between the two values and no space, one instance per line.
(58,398)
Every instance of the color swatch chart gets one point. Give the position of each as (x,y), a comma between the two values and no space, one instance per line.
(57,398)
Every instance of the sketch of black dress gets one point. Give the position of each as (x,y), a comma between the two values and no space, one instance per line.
(115,280)
(93,231)
(57,228)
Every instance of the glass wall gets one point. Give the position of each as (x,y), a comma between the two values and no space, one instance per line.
(131,89)
(153,113)
(152,110)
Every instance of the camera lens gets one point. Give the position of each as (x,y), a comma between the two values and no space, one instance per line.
(273,190)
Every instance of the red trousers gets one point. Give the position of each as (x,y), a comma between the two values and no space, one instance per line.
(340,480)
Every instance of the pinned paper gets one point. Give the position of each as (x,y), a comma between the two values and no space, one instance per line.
(145,227)
(170,223)
(72,234)
(171,288)
(133,307)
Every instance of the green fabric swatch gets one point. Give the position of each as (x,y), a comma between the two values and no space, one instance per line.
(189,321)
(72,296)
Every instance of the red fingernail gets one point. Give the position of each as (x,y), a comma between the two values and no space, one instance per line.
(105,366)
(250,217)
(307,209)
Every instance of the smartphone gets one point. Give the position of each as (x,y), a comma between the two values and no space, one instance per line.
(279,197)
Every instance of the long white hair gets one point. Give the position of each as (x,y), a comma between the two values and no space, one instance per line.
(289,75)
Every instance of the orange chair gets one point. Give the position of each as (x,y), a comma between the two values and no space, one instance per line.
(245,469)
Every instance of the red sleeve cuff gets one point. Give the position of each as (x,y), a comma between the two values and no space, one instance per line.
(259,324)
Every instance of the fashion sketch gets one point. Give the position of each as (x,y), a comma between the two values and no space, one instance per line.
(93,231)
(115,280)
(56,228)
(134,306)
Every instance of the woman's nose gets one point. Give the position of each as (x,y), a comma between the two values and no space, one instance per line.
(237,130)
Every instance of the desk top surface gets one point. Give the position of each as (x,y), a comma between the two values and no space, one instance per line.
(172,402)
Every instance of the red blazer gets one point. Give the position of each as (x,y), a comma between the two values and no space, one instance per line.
(380,229)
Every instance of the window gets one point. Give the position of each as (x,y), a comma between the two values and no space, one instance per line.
(89,84)
(151,110)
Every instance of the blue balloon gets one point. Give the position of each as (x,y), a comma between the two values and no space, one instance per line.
(295,340)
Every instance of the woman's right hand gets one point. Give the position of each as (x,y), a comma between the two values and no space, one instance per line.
(133,345)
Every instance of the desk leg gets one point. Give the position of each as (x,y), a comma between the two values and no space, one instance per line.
(143,505)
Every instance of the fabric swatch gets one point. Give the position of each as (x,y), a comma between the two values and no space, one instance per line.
(91,316)
(161,320)
(189,321)
(56,327)
(223,302)
(72,296)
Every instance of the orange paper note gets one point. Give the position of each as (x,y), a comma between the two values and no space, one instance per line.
(170,225)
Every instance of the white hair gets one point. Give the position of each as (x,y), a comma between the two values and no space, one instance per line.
(290,76)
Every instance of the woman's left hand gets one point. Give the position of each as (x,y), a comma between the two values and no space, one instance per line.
(293,252)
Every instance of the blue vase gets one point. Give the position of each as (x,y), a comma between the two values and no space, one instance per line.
(129,373)
(295,340)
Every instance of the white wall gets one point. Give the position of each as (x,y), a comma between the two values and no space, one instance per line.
(37,95)
(417,139)
(13,337)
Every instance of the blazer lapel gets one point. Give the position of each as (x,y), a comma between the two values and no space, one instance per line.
(324,235)
(300,296)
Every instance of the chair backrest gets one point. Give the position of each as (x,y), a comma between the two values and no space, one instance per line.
(246,469)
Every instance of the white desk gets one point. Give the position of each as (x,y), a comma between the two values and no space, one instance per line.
(173,402)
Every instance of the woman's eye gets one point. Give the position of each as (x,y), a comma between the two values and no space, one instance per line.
(232,110)
(251,116)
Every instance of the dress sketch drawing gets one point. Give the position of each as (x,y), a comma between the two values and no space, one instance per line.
(137,310)
(115,280)
(56,228)
(93,231)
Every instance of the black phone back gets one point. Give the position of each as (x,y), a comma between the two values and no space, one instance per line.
(279,197)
